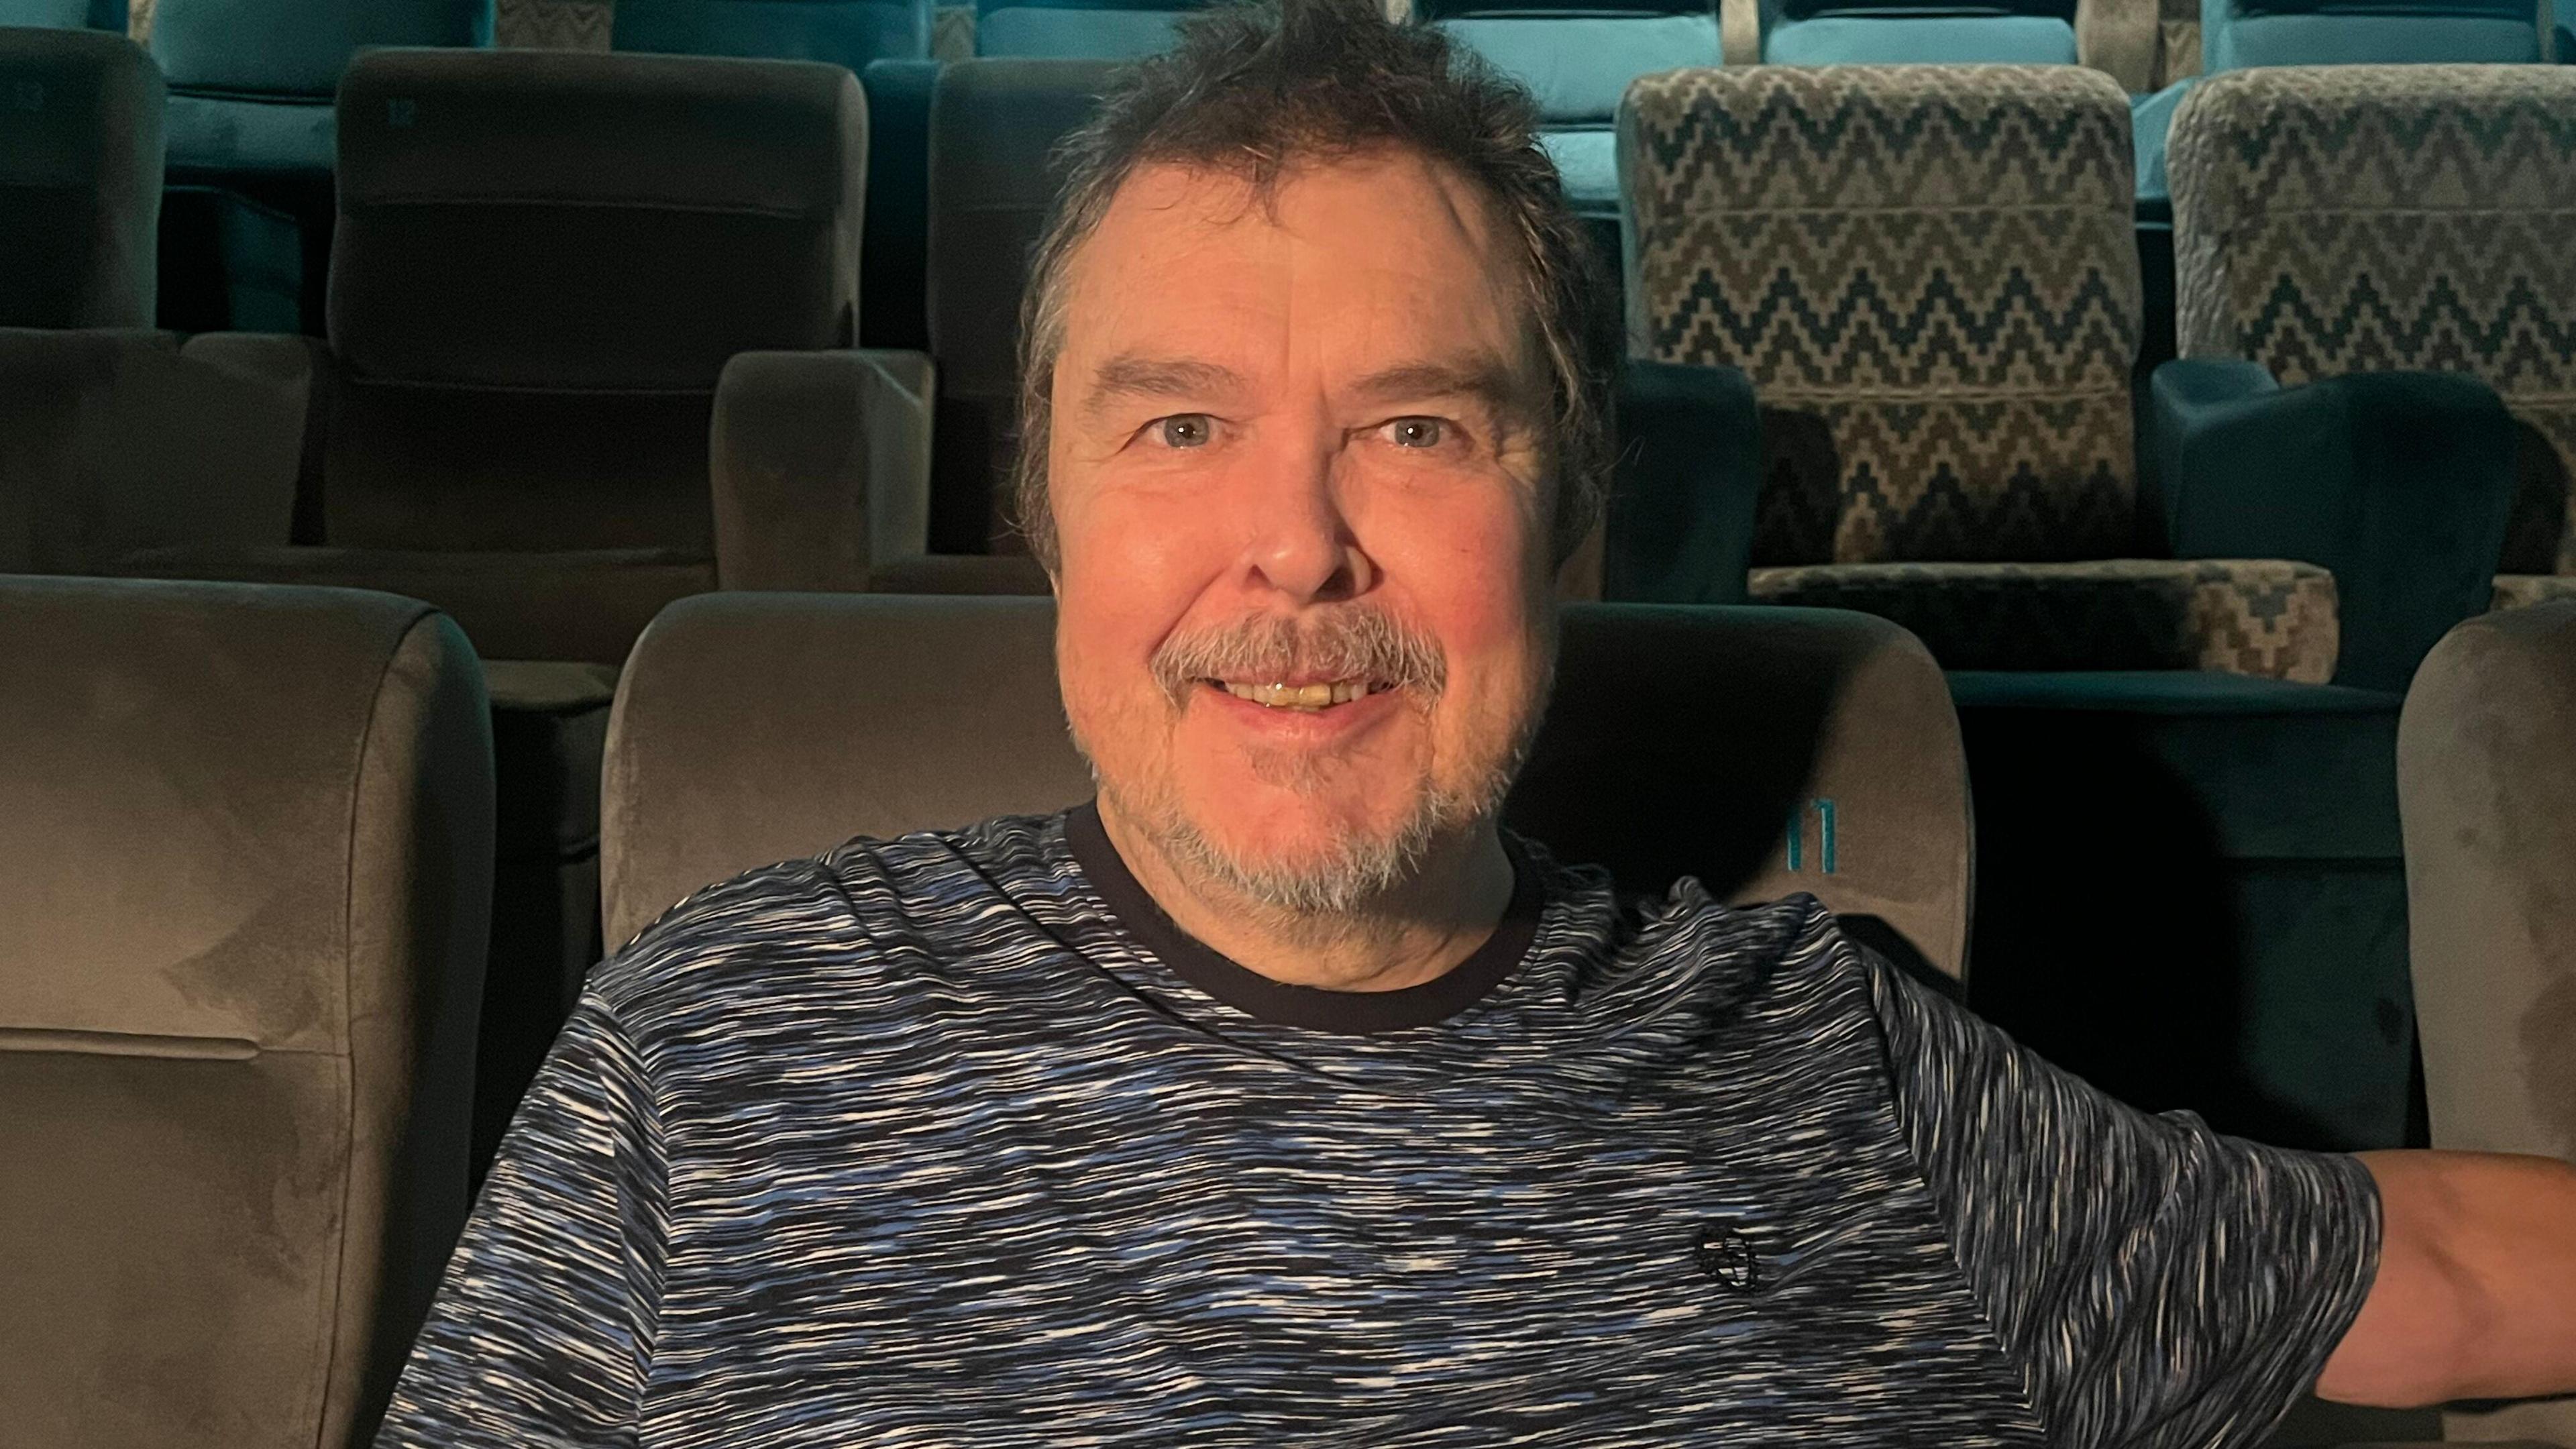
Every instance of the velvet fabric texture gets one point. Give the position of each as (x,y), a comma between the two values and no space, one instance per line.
(821,467)
(2235,33)
(252,80)
(2190,893)
(2487,782)
(544,262)
(2399,483)
(1821,753)
(1115,30)
(243,881)
(80,179)
(992,125)
(1683,493)
(65,14)
(848,33)
(112,442)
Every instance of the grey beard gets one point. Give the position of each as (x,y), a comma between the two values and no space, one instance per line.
(1328,894)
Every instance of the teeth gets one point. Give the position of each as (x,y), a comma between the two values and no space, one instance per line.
(1298,696)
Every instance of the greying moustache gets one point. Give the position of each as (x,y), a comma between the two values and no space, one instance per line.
(1352,641)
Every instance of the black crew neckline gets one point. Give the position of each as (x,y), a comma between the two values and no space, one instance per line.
(1283,1003)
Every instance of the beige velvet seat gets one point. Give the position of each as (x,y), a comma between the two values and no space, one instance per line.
(1764,751)
(245,854)
(2486,774)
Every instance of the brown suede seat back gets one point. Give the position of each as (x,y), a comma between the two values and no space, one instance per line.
(544,260)
(245,862)
(2486,780)
(80,179)
(993,124)
(1763,750)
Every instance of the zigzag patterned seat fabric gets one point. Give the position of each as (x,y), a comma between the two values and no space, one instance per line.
(1927,271)
(2268,618)
(1929,274)
(2350,218)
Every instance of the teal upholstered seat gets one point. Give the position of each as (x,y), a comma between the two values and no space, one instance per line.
(251,81)
(849,33)
(1841,33)
(65,14)
(2238,33)
(1075,31)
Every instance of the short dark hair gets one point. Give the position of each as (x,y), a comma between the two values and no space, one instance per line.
(1256,87)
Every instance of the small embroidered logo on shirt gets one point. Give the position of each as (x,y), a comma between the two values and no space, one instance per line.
(1725,1255)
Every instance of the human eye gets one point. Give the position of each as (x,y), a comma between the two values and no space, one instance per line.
(1182,430)
(1416,432)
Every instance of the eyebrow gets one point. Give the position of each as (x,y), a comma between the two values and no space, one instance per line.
(1486,379)
(1129,375)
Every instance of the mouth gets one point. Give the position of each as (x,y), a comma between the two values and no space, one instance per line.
(1311,697)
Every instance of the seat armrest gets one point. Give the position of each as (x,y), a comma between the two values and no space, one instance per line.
(2397,482)
(1682,495)
(111,442)
(820,465)
(2121,37)
(2184,394)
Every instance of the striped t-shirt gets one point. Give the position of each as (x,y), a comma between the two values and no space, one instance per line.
(956,1140)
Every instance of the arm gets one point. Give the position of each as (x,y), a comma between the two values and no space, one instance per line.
(542,1332)
(2476,1292)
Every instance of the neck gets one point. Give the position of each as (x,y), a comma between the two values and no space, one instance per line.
(1413,934)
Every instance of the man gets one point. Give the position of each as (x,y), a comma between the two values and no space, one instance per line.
(1279,1097)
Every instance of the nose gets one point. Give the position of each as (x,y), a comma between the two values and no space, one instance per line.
(1299,542)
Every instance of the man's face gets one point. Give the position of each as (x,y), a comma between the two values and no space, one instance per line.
(1298,487)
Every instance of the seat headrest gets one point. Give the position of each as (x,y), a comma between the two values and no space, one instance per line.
(1764,751)
(80,179)
(557,219)
(1428,10)
(296,49)
(844,32)
(213,792)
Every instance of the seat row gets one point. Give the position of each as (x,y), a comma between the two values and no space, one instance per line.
(242,910)
(250,141)
(591,348)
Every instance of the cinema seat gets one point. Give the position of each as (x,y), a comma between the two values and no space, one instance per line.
(2236,34)
(1822,754)
(1840,32)
(2335,220)
(80,179)
(252,81)
(847,33)
(2487,780)
(992,125)
(545,260)
(251,139)
(1577,59)
(243,865)
(1929,274)
(1074,29)
(65,14)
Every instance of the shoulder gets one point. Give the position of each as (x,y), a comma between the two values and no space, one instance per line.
(1686,949)
(784,925)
